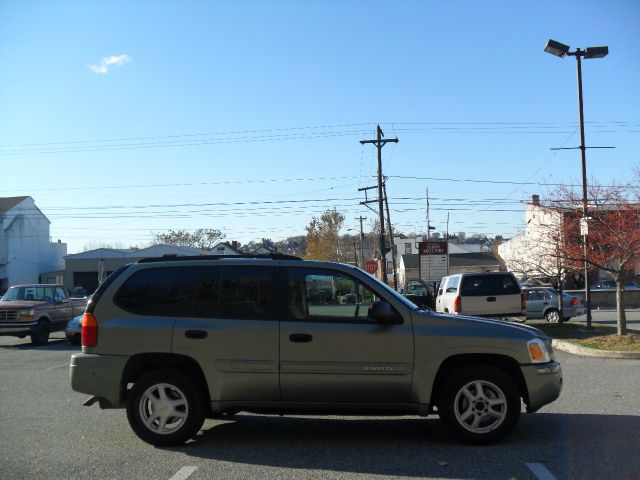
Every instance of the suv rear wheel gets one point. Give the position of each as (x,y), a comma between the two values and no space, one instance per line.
(165,408)
(479,404)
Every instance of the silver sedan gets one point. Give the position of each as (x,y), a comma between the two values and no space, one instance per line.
(544,303)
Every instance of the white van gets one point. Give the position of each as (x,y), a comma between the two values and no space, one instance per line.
(492,294)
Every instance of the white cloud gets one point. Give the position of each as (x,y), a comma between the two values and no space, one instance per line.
(107,62)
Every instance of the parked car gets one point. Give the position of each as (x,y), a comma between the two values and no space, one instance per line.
(37,310)
(74,330)
(544,303)
(78,292)
(420,293)
(610,284)
(175,340)
(489,294)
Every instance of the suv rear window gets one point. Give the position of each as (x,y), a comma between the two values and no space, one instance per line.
(487,285)
(158,291)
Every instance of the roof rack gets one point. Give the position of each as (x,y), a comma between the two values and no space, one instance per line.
(172,257)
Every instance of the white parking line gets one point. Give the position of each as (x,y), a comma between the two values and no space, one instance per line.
(540,471)
(184,473)
(57,366)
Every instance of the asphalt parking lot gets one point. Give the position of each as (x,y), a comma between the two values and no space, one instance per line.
(591,432)
(610,317)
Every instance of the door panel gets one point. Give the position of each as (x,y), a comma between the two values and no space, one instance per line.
(233,333)
(331,351)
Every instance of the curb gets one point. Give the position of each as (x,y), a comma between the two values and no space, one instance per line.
(592,352)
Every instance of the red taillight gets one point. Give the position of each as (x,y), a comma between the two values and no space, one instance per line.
(523,304)
(89,330)
(574,301)
(457,305)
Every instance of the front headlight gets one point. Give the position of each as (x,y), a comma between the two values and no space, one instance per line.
(538,351)
(26,314)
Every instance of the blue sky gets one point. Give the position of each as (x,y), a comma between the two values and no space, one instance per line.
(247,116)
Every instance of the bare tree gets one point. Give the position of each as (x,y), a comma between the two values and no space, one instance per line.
(614,234)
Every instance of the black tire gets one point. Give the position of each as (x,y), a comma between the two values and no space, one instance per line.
(183,420)
(552,316)
(566,319)
(475,420)
(40,335)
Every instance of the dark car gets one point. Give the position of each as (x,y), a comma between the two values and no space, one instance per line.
(610,284)
(420,294)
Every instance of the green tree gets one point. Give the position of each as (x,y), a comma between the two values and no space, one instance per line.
(203,238)
(323,241)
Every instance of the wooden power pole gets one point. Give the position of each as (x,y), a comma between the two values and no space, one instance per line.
(393,257)
(380,142)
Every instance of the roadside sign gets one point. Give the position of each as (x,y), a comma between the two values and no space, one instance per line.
(371,266)
(584,227)
(434,260)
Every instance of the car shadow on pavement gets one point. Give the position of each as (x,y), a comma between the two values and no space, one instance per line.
(572,446)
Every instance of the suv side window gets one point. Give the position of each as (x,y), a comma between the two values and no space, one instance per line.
(234,292)
(246,292)
(158,291)
(452,285)
(324,295)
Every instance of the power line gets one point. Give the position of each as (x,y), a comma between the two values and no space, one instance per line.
(294,133)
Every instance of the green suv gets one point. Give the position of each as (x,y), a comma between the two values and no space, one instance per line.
(175,340)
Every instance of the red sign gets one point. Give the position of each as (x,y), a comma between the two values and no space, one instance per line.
(371,266)
(432,248)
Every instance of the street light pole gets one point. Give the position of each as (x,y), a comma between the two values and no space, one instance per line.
(583,152)
(560,50)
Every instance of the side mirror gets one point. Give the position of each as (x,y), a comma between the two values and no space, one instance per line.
(440,292)
(382,312)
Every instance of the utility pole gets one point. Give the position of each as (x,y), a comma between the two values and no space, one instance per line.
(379,142)
(361,218)
(428,222)
(393,257)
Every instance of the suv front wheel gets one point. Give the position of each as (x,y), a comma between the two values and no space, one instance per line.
(479,404)
(165,408)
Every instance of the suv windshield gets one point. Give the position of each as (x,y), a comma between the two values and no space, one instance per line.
(28,294)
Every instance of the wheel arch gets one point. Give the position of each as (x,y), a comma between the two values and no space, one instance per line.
(506,364)
(44,317)
(143,363)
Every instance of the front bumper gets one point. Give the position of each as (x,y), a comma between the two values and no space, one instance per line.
(17,328)
(99,375)
(544,384)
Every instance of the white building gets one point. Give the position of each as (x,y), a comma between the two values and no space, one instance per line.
(26,251)
(531,253)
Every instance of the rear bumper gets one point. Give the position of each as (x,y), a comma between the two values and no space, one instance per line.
(17,328)
(99,375)
(544,384)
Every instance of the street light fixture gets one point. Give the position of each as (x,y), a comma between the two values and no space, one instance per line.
(561,50)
